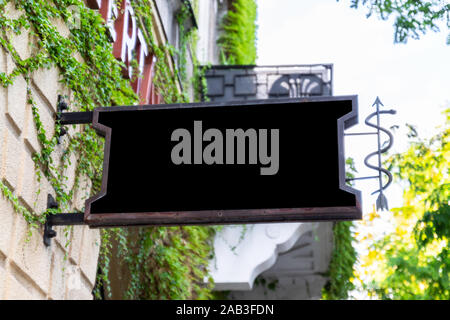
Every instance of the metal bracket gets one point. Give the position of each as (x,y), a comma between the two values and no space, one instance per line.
(75,117)
(381,202)
(60,219)
(60,107)
(65,118)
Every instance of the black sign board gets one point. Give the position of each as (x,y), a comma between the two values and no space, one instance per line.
(213,163)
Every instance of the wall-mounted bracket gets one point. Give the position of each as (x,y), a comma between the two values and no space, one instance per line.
(65,118)
(75,117)
(60,219)
(381,202)
(60,107)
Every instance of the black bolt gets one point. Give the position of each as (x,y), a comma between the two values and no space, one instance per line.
(51,233)
(62,105)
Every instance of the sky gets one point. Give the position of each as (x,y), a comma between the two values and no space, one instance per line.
(412,78)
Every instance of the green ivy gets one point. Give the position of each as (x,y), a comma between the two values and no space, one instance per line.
(340,270)
(237,41)
(344,256)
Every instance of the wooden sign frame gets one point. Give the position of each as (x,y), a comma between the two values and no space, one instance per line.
(202,217)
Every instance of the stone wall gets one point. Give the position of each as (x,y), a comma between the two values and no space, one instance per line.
(28,269)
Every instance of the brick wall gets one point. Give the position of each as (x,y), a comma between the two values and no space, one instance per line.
(28,269)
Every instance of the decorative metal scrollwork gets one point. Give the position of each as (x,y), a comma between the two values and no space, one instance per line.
(381,202)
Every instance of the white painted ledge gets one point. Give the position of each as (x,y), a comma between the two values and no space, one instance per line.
(240,257)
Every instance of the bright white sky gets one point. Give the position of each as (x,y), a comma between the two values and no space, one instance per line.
(413,79)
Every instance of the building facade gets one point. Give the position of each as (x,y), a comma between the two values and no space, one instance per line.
(37,160)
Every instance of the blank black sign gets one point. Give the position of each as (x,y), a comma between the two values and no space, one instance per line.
(143,185)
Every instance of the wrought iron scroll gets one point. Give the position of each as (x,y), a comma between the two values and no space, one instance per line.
(381,202)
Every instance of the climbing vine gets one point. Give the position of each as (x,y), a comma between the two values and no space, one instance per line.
(341,268)
(340,271)
(237,41)
(164,263)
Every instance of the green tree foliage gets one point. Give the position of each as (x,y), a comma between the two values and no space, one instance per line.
(237,42)
(412,17)
(413,260)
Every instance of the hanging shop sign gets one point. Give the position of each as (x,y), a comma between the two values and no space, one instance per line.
(239,162)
